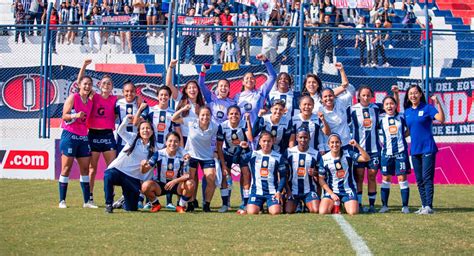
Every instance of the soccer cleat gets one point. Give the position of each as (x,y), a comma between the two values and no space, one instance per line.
(364,209)
(405,210)
(62,205)
(223,209)
(426,211)
(109,208)
(384,209)
(155,208)
(90,205)
(371,210)
(147,206)
(195,203)
(171,207)
(119,203)
(206,208)
(180,209)
(140,205)
(91,202)
(190,207)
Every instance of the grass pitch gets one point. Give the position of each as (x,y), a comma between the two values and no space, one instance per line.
(31,223)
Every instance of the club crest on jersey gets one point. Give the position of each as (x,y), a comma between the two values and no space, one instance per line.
(170,166)
(248,106)
(340,173)
(162,118)
(129,110)
(274,133)
(220,114)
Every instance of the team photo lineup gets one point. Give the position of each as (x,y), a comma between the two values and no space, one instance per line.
(296,151)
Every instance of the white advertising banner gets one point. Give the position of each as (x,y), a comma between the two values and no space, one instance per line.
(27,158)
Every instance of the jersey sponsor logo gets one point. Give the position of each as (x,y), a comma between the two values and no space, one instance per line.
(340,173)
(22,93)
(301,170)
(101,111)
(264,169)
(161,127)
(367,123)
(27,160)
(169,174)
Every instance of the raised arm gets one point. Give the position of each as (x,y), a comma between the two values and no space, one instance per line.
(440,116)
(169,79)
(344,80)
(364,157)
(267,87)
(202,83)
(82,71)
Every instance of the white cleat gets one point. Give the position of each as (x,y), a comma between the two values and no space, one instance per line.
(419,210)
(384,209)
(90,205)
(62,205)
(405,210)
(223,209)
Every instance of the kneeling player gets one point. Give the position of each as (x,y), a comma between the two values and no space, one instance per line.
(303,162)
(268,171)
(173,175)
(336,175)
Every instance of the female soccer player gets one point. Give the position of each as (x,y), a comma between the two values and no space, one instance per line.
(173,176)
(303,162)
(129,168)
(268,170)
(230,134)
(419,117)
(284,91)
(395,159)
(218,101)
(277,123)
(336,175)
(128,105)
(364,119)
(74,140)
(310,120)
(101,125)
(202,133)
(251,100)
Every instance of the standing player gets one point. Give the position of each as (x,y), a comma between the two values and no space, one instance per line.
(395,159)
(173,175)
(336,175)
(230,134)
(276,123)
(268,170)
(128,105)
(129,168)
(202,133)
(284,92)
(74,140)
(251,100)
(303,162)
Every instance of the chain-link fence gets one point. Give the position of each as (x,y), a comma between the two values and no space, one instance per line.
(124,47)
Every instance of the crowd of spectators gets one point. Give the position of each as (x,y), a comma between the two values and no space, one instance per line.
(261,13)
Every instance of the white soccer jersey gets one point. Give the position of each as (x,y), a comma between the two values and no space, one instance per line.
(200,143)
(337,120)
(364,121)
(230,52)
(339,173)
(314,125)
(231,136)
(264,169)
(291,101)
(161,121)
(393,132)
(280,131)
(168,167)
(300,162)
(123,108)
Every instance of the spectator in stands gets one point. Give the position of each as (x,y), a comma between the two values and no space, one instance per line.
(264,9)
(270,42)
(226,18)
(361,40)
(230,54)
(151,17)
(314,12)
(243,34)
(125,33)
(386,14)
(423,42)
(95,32)
(217,39)
(378,38)
(330,10)
(63,19)
(139,9)
(189,36)
(74,15)
(327,41)
(20,19)
(409,17)
(365,12)
(313,46)
(35,15)
(53,22)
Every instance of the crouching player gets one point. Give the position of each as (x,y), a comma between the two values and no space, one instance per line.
(303,162)
(336,175)
(268,171)
(173,175)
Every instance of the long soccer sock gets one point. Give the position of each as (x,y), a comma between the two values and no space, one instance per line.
(246,194)
(204,186)
(155,202)
(372,197)
(63,182)
(359,198)
(405,192)
(183,200)
(169,199)
(385,192)
(225,196)
(91,197)
(86,188)
(141,197)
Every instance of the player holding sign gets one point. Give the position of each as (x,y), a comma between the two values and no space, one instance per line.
(336,175)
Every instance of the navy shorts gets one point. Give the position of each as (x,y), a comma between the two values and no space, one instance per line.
(344,197)
(373,164)
(193,163)
(398,164)
(73,145)
(174,190)
(102,140)
(308,197)
(259,200)
(229,160)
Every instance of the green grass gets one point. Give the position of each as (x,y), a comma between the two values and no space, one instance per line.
(31,223)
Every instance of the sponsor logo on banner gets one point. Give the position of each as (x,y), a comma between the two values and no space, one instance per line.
(26,160)
(22,93)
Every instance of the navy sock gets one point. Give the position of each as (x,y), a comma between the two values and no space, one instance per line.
(385,192)
(91,197)
(169,198)
(225,196)
(204,186)
(359,198)
(86,189)
(63,183)
(405,192)
(372,197)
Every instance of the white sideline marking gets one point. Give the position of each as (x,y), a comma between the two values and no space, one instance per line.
(357,242)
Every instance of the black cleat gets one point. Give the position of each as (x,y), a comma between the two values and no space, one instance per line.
(109,208)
